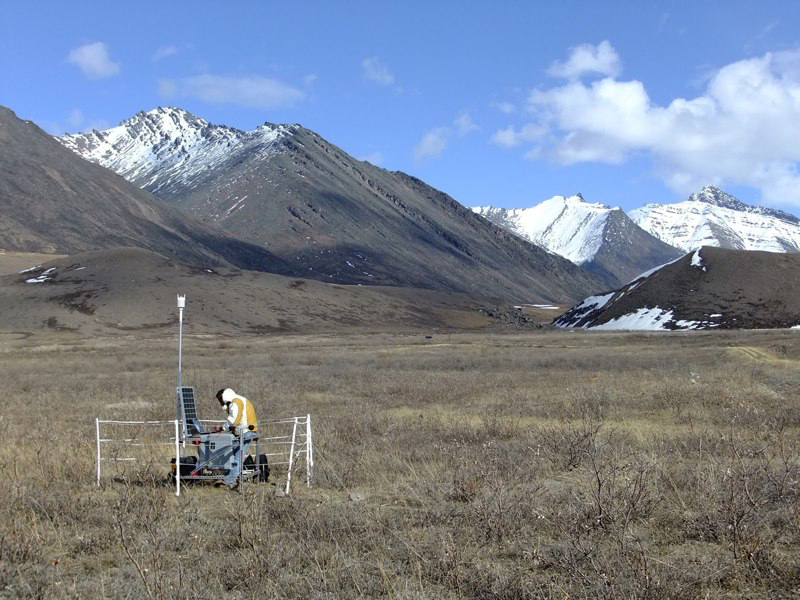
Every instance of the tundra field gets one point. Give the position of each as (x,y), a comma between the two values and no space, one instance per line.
(534,465)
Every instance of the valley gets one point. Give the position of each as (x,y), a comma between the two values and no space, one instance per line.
(407,301)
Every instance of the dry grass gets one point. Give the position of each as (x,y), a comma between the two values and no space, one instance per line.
(546,465)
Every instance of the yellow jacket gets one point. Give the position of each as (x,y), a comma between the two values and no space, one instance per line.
(241,413)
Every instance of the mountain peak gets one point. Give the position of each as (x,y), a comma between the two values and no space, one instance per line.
(168,121)
(593,235)
(167,110)
(165,147)
(716,197)
(722,221)
(579,201)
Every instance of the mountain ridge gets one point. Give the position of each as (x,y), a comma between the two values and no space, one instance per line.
(600,238)
(286,189)
(713,195)
(715,218)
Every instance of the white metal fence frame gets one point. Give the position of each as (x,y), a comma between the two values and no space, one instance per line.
(299,442)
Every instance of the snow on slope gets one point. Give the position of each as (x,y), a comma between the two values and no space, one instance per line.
(167,146)
(568,226)
(714,218)
(582,314)
(585,313)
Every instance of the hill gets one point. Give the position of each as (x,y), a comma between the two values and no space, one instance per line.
(710,288)
(131,289)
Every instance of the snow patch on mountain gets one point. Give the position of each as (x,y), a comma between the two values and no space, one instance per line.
(594,302)
(643,319)
(697,260)
(650,319)
(714,218)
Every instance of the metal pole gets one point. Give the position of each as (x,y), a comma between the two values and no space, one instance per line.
(291,457)
(258,462)
(181,305)
(241,463)
(97,437)
(177,460)
(309,452)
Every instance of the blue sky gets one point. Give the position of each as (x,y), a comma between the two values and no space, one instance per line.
(504,103)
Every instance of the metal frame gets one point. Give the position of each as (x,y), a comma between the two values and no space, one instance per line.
(299,442)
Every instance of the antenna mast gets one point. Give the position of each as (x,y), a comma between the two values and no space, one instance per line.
(181,306)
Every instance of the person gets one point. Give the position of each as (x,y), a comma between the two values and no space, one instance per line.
(240,411)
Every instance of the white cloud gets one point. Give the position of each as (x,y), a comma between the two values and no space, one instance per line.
(599,121)
(435,141)
(376,71)
(249,91)
(432,144)
(93,60)
(504,107)
(585,59)
(310,79)
(465,125)
(742,130)
(164,52)
(511,137)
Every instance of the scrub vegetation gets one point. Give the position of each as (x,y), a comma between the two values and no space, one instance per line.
(532,465)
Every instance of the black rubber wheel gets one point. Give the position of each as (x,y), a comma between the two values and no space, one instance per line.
(263,474)
(187,466)
(263,466)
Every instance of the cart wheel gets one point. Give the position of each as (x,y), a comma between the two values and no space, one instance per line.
(263,474)
(187,466)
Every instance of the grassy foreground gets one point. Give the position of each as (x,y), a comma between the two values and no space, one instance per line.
(540,465)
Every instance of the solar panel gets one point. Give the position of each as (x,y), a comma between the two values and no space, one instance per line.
(189,410)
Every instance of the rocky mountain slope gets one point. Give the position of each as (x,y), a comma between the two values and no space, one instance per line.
(709,288)
(714,218)
(326,214)
(601,239)
(53,201)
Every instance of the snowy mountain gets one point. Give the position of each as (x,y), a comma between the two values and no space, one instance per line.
(714,218)
(333,218)
(166,150)
(568,226)
(601,239)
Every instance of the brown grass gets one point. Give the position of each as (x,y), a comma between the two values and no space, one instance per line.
(540,465)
